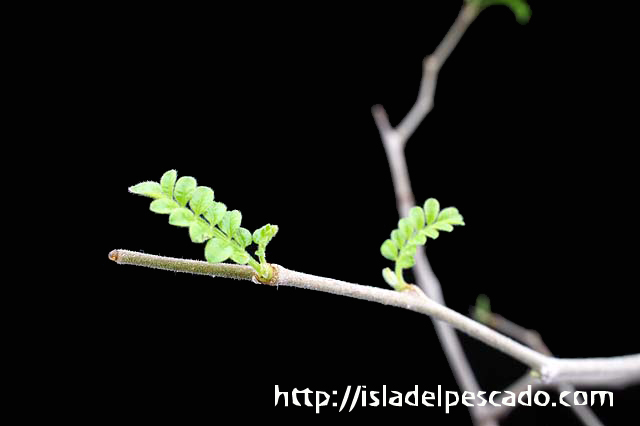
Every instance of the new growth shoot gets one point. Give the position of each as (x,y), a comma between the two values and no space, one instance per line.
(192,206)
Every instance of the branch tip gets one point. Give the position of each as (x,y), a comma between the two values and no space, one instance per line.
(381,119)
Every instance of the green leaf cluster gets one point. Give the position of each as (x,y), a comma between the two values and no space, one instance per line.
(421,223)
(520,8)
(191,206)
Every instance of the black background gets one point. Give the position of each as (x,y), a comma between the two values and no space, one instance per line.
(530,138)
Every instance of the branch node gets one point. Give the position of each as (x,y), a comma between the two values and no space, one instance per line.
(272,281)
(431,64)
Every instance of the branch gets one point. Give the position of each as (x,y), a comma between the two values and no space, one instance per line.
(225,270)
(595,371)
(394,141)
(431,68)
(532,339)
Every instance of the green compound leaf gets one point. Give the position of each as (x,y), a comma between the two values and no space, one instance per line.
(215,213)
(184,189)
(217,250)
(389,250)
(231,222)
(168,181)
(417,217)
(181,217)
(192,206)
(199,231)
(148,189)
(243,237)
(163,206)
(412,232)
(431,210)
(201,200)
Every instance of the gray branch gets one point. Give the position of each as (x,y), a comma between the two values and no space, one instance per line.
(593,371)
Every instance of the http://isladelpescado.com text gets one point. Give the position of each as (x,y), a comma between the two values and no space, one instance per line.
(361,397)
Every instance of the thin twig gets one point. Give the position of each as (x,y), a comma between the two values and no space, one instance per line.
(432,66)
(226,270)
(595,371)
(529,337)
